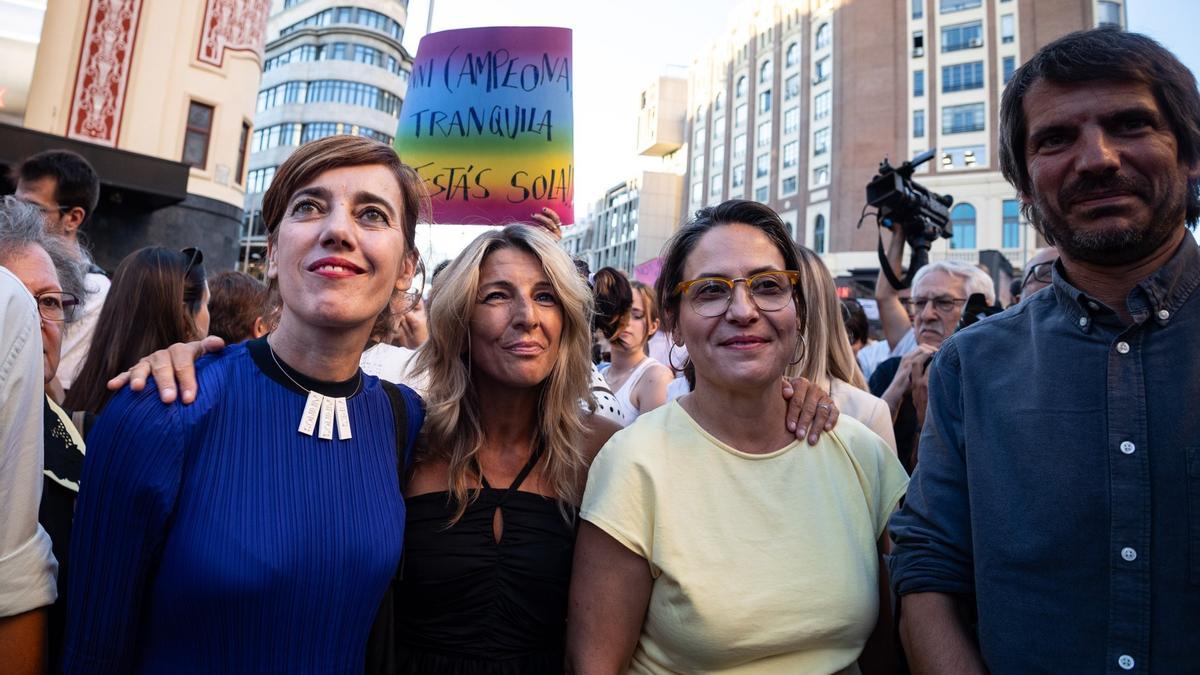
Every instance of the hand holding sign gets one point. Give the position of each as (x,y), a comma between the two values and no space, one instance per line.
(488,124)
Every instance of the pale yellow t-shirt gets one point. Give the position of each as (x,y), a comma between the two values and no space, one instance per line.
(761,563)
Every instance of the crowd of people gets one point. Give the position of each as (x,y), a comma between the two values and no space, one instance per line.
(520,465)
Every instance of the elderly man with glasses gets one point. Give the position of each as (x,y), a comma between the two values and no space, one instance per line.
(939,292)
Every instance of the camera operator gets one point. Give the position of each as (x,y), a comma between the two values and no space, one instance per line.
(897,326)
(939,292)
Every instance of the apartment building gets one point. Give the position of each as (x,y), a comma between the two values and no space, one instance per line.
(797,103)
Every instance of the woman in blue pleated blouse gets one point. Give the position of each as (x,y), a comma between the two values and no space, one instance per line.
(257,529)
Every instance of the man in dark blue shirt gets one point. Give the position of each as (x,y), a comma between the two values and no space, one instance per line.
(1053,521)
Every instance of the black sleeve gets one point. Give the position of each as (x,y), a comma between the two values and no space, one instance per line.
(881,379)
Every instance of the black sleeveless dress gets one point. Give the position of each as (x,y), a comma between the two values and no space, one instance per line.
(467,604)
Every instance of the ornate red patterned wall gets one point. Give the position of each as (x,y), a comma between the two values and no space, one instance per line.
(232,24)
(103,72)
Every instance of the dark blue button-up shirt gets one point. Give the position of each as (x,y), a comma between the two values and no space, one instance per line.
(1058,480)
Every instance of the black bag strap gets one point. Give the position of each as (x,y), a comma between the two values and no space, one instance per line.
(381,642)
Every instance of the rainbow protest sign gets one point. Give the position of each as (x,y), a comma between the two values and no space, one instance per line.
(487,122)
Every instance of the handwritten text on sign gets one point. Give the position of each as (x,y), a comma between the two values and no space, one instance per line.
(488,123)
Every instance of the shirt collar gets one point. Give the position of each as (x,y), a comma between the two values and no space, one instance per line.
(1158,296)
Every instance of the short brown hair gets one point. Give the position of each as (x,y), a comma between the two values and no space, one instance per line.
(1103,54)
(314,158)
(235,300)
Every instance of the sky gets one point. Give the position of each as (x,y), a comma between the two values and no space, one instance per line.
(620,46)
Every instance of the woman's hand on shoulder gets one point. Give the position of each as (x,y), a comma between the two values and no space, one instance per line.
(810,412)
(171,367)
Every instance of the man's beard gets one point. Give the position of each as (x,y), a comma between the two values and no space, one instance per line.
(1121,244)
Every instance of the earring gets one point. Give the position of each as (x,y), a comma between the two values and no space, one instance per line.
(671,360)
(801,347)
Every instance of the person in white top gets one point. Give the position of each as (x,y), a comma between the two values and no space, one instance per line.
(639,382)
(828,359)
(27,564)
(65,188)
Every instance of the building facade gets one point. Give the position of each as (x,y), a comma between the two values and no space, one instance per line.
(159,96)
(331,67)
(799,101)
(628,226)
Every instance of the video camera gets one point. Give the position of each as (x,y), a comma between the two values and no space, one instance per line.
(922,215)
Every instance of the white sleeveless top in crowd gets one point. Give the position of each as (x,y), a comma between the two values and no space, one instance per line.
(628,409)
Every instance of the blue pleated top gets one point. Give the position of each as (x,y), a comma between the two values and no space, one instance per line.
(215,537)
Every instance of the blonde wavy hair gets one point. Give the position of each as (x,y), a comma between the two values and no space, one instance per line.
(827,350)
(453,425)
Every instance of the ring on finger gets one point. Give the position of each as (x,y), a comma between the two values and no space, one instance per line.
(828,406)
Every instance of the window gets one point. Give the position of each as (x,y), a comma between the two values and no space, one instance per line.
(819,234)
(948,6)
(791,88)
(351,15)
(764,101)
(789,185)
(714,186)
(791,154)
(918,83)
(962,36)
(1012,224)
(957,119)
(738,177)
(1010,67)
(739,90)
(820,175)
(698,137)
(739,147)
(739,115)
(918,40)
(762,138)
(918,124)
(762,165)
(821,141)
(718,158)
(762,194)
(962,220)
(822,70)
(243,151)
(964,157)
(918,9)
(1108,14)
(719,103)
(765,73)
(697,192)
(259,180)
(1007,29)
(196,137)
(822,105)
(824,33)
(697,165)
(962,76)
(792,56)
(791,120)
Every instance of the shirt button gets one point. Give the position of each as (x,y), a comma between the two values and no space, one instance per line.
(1128,554)
(1123,347)
(1164,314)
(1083,321)
(1125,661)
(1127,447)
